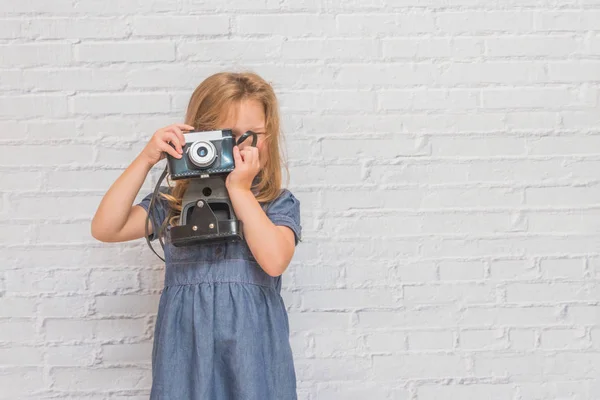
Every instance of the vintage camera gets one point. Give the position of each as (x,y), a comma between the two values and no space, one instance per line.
(204,154)
(207,213)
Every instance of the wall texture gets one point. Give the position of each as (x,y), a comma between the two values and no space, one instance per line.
(446,154)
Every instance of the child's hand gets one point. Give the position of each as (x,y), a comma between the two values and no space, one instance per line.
(247,165)
(161,141)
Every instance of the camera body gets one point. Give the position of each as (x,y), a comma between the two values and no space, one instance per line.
(207,214)
(204,154)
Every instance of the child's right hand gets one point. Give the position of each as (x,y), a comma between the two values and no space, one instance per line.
(161,141)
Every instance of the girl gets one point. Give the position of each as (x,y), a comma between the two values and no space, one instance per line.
(222,329)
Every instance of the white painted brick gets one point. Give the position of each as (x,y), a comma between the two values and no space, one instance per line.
(44,155)
(553,293)
(317,276)
(529,98)
(386,342)
(94,330)
(453,47)
(563,338)
(461,270)
(477,146)
(510,316)
(398,74)
(340,299)
(126,353)
(570,71)
(95,379)
(449,293)
(318,320)
(38,6)
(564,145)
(566,20)
(21,356)
(482,339)
(392,23)
(175,26)
(443,315)
(116,7)
(455,99)
(522,339)
(555,390)
(414,271)
(533,46)
(359,391)
(45,281)
(78,355)
(74,79)
(531,121)
(418,365)
(569,196)
(35,55)
(484,21)
(571,268)
(452,122)
(127,103)
(73,306)
(574,222)
(125,51)
(336,343)
(152,279)
(374,148)
(498,72)
(21,381)
(56,206)
(30,106)
(230,50)
(337,49)
(11,307)
(109,281)
(495,391)
(18,330)
(512,269)
(77,28)
(330,369)
(335,100)
(430,340)
(126,304)
(289,25)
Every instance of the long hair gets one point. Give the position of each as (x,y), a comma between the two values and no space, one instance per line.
(215,99)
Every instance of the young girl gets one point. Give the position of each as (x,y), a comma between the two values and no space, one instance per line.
(222,329)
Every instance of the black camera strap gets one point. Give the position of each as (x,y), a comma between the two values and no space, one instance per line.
(152,212)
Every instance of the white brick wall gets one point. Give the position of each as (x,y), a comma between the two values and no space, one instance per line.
(446,153)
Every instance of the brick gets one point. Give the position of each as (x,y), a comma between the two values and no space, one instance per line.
(125,52)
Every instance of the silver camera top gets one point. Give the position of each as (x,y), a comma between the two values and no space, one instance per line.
(207,135)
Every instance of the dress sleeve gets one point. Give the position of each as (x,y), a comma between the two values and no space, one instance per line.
(161,206)
(285,210)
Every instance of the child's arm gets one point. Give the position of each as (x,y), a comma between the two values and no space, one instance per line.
(272,245)
(116,219)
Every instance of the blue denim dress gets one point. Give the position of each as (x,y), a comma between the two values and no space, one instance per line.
(222,330)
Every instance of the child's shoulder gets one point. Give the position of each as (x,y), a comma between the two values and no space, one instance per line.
(284,201)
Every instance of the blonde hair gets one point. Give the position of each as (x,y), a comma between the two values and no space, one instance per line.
(215,99)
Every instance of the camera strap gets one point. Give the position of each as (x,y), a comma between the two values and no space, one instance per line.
(152,212)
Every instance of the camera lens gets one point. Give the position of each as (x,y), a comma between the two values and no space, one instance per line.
(202,153)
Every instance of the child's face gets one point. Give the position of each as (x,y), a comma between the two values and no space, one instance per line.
(250,117)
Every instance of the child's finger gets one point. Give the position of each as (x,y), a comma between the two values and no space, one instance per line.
(237,157)
(186,127)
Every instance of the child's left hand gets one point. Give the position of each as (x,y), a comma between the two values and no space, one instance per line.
(247,165)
